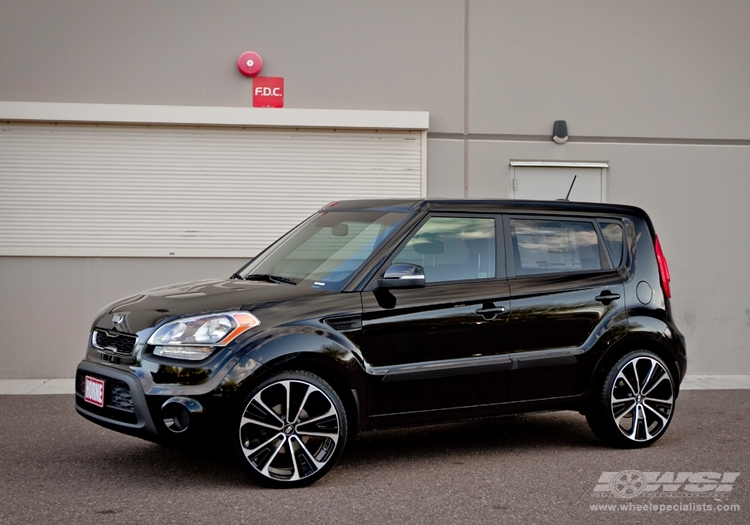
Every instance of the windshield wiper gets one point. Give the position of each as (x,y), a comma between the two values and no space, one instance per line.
(269,278)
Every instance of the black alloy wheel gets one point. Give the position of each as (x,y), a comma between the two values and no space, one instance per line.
(292,430)
(635,403)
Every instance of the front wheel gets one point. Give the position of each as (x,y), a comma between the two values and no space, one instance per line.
(635,402)
(291,431)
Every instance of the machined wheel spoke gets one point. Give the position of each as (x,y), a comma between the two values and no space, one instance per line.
(258,400)
(295,474)
(645,423)
(622,376)
(639,418)
(637,379)
(634,426)
(251,451)
(663,377)
(629,410)
(331,412)
(297,468)
(648,376)
(615,400)
(308,454)
(311,463)
(302,404)
(656,400)
(264,471)
(247,420)
(333,435)
(659,414)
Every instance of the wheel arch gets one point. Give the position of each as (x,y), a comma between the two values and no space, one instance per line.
(350,396)
(637,341)
(323,352)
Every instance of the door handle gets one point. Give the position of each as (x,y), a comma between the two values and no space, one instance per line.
(491,312)
(607,297)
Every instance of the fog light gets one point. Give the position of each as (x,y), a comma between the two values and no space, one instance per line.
(178,413)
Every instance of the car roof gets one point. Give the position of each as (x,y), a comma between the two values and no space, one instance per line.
(480,205)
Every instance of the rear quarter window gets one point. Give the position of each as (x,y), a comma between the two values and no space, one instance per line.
(613,232)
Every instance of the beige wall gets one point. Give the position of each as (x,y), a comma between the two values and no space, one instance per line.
(388,54)
(659,89)
(666,68)
(643,68)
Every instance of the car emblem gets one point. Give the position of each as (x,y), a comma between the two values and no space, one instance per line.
(117,318)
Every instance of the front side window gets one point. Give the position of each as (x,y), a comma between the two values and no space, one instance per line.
(452,249)
(553,246)
(326,250)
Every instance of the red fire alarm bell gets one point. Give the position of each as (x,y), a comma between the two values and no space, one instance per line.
(268,92)
(249,63)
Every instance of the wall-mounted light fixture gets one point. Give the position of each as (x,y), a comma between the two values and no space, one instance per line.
(560,132)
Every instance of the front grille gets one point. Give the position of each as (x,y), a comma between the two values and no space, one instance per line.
(118,401)
(114,342)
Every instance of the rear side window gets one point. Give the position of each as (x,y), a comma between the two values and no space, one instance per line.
(612,232)
(553,246)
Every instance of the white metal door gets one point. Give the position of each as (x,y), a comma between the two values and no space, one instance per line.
(546,181)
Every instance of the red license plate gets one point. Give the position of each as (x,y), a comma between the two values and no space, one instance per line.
(94,391)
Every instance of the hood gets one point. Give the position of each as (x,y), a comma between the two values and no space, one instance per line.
(148,308)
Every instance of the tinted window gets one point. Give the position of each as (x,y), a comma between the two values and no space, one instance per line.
(549,246)
(453,249)
(612,232)
(328,249)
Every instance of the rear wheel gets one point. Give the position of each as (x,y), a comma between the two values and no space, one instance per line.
(291,431)
(635,401)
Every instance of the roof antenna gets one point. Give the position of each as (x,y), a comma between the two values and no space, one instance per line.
(570,189)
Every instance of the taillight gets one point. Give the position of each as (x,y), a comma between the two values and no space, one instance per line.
(663,269)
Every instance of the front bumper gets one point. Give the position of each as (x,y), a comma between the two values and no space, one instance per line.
(125,408)
(133,402)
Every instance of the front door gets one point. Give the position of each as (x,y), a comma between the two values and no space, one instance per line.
(444,345)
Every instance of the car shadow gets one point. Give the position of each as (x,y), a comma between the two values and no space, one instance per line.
(509,433)
(214,464)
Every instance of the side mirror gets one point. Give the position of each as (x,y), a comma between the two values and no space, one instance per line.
(403,275)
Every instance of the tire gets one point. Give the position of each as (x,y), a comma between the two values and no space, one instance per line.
(639,388)
(291,430)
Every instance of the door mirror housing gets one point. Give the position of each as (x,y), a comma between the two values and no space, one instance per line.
(403,275)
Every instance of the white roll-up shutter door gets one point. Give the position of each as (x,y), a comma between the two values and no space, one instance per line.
(119,190)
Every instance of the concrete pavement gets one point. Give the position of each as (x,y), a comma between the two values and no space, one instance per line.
(56,467)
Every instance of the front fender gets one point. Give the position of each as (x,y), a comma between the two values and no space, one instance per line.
(315,347)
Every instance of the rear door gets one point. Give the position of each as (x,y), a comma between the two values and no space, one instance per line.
(565,291)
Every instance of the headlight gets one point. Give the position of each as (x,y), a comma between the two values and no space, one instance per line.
(197,337)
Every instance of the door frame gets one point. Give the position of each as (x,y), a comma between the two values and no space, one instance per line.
(603,165)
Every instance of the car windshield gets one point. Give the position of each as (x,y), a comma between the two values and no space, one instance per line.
(324,251)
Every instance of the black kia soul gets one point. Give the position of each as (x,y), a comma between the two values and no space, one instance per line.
(383,313)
